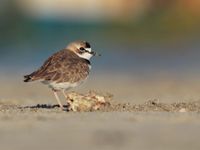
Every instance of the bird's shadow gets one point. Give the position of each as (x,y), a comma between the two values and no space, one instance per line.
(43,106)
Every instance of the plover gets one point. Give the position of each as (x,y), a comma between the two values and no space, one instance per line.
(65,69)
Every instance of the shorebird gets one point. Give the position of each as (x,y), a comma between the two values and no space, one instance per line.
(65,69)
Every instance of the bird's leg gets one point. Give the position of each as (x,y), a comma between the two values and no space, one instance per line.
(58,100)
(66,97)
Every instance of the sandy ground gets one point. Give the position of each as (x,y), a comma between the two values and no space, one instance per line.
(155,116)
(151,125)
(60,130)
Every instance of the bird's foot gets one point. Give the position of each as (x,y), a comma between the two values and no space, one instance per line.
(71,106)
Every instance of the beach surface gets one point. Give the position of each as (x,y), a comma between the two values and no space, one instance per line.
(151,125)
(159,116)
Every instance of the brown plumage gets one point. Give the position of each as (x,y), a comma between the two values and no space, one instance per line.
(63,66)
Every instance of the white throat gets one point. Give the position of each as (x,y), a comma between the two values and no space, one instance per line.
(85,55)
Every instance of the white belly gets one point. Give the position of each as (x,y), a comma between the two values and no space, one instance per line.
(63,85)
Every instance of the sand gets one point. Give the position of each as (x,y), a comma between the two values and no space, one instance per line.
(151,125)
(110,106)
(145,117)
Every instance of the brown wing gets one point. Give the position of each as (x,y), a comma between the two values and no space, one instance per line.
(63,66)
(72,71)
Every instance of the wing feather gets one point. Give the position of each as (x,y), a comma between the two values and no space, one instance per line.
(63,66)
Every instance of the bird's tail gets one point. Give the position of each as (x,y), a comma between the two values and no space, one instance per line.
(33,76)
(27,78)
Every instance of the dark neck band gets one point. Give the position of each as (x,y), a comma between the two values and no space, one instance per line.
(87,61)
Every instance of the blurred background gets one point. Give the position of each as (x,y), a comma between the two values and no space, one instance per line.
(150,48)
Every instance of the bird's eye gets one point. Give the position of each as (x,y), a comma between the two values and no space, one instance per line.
(81,48)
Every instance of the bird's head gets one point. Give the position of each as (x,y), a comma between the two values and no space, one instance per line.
(82,49)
